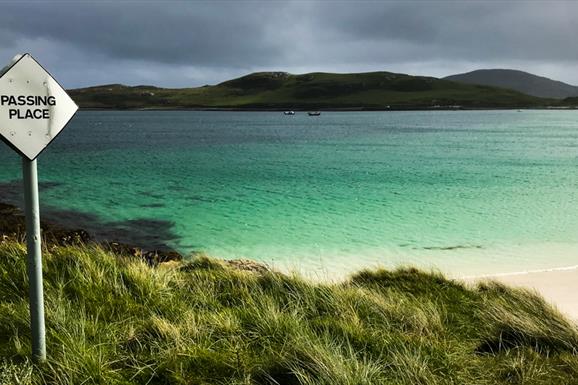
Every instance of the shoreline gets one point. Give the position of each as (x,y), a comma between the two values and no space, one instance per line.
(327,109)
(558,286)
(12,227)
(517,273)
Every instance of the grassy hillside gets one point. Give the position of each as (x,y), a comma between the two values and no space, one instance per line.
(521,81)
(279,90)
(113,320)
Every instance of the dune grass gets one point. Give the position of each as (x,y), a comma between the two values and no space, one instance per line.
(113,320)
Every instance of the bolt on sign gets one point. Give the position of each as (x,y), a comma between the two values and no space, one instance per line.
(34,108)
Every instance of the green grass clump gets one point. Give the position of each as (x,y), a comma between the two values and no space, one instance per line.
(112,320)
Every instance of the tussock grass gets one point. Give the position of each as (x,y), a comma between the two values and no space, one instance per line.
(112,320)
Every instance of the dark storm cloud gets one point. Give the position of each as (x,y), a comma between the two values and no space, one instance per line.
(454,30)
(167,32)
(179,43)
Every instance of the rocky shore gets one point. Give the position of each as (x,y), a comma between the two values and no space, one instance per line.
(13,227)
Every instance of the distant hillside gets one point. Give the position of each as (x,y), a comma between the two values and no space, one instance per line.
(518,80)
(280,90)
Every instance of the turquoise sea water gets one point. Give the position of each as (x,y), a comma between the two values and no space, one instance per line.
(467,192)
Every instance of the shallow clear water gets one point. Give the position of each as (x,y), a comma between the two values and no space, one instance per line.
(470,192)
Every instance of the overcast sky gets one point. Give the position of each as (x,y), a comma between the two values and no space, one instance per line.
(192,43)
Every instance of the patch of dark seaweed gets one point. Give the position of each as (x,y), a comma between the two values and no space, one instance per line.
(446,248)
(145,238)
(152,205)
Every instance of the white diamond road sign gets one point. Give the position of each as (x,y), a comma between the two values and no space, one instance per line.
(34,108)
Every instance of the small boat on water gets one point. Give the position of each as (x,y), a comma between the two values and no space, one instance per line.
(289,113)
(316,113)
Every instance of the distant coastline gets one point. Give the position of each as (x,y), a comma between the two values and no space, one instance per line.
(329,109)
(278,91)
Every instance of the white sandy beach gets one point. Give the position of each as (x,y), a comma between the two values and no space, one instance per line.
(558,286)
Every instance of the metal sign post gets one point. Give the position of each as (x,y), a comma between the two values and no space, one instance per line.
(34,250)
(34,109)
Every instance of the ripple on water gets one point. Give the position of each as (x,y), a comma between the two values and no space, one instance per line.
(344,191)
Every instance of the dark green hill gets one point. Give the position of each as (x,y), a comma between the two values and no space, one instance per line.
(280,90)
(518,80)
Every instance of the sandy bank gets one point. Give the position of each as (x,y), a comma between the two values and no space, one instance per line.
(558,286)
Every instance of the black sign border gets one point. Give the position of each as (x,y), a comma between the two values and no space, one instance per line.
(10,144)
